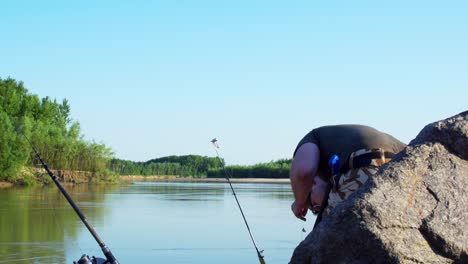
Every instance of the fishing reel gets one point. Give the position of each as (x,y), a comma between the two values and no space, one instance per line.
(93,260)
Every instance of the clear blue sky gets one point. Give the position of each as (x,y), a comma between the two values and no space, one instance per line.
(157,78)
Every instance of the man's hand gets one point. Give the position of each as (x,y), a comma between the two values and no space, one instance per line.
(300,209)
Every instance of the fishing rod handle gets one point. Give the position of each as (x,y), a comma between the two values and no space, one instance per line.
(109,256)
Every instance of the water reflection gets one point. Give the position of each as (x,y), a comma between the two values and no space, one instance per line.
(163,222)
(210,191)
(35,222)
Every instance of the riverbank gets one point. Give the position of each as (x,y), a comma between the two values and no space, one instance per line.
(30,176)
(170,178)
(75,178)
(4,185)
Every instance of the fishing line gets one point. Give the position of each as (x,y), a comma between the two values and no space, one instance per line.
(227,176)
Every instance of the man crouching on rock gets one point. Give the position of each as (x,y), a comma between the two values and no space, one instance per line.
(332,162)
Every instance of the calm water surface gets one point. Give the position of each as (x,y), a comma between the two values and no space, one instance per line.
(150,222)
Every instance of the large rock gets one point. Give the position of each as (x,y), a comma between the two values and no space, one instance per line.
(414,210)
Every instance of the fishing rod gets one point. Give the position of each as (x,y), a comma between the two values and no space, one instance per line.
(259,252)
(85,259)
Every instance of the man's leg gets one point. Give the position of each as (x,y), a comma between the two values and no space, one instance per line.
(349,182)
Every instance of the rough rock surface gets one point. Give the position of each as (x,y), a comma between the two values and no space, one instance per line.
(414,210)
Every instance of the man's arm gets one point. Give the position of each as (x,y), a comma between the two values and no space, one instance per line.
(303,169)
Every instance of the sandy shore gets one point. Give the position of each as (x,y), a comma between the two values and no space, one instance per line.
(5,185)
(181,179)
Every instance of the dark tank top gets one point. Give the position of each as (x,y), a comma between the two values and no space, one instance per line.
(342,140)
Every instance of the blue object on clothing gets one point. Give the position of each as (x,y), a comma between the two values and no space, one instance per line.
(334,163)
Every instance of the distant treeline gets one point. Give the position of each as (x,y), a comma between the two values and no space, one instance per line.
(199,166)
(47,123)
(188,165)
(275,169)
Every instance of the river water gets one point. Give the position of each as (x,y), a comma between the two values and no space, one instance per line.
(151,222)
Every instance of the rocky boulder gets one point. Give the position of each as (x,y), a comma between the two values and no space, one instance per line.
(414,210)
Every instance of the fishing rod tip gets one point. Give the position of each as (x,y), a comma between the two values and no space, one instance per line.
(215,142)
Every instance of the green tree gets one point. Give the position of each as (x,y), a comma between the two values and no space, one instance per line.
(49,126)
(11,156)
